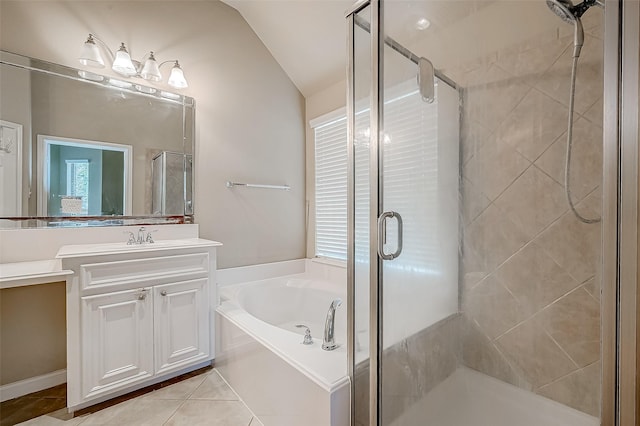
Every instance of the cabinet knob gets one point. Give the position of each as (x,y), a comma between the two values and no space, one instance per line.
(163,293)
(142,294)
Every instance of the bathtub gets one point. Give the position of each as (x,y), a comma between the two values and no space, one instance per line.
(259,350)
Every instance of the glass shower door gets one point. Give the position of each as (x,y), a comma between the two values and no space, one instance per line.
(484,284)
(419,169)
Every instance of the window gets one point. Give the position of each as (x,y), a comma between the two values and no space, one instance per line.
(331,188)
(415,181)
(78,181)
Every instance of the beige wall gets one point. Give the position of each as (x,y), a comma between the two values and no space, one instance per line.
(249,115)
(32,331)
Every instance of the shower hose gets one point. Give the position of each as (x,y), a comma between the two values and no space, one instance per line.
(567,166)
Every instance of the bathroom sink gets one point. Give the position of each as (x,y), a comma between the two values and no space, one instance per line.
(123,247)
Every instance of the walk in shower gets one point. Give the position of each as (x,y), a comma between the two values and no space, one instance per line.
(475,285)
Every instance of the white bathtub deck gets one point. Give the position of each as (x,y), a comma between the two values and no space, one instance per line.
(469,398)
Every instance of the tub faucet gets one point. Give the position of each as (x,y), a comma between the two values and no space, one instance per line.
(328,342)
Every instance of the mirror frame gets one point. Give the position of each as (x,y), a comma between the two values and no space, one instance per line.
(188,132)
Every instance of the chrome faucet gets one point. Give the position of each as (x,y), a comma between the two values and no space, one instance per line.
(142,237)
(328,342)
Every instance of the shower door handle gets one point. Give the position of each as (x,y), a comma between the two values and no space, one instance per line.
(382,231)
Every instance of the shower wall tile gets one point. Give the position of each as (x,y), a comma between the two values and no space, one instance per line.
(534,278)
(586,159)
(595,113)
(474,201)
(493,307)
(491,101)
(574,323)
(531,349)
(473,267)
(531,59)
(573,245)
(491,180)
(556,82)
(577,390)
(593,287)
(473,136)
(530,270)
(479,353)
(593,202)
(531,134)
(533,201)
(494,237)
(414,366)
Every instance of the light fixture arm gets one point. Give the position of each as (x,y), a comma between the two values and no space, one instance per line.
(175,61)
(93,37)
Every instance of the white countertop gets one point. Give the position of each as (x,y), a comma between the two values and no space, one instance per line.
(82,250)
(19,274)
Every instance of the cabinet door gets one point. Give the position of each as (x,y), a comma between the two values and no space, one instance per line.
(181,324)
(117,340)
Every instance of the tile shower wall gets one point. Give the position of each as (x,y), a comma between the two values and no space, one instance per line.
(412,368)
(530,288)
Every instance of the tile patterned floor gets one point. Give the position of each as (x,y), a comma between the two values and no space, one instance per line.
(205,399)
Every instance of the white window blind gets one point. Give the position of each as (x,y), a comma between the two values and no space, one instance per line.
(411,180)
(331,188)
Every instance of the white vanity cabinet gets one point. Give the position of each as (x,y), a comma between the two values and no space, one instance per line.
(117,341)
(181,334)
(136,315)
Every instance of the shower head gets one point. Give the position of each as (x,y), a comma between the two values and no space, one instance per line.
(571,15)
(562,8)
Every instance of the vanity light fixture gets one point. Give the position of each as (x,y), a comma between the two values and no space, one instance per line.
(122,63)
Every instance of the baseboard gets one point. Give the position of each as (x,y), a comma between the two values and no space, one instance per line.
(32,384)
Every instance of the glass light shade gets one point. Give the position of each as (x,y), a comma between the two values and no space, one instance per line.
(151,71)
(90,55)
(122,64)
(176,78)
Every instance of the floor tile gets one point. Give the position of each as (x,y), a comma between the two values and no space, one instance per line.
(214,388)
(139,412)
(255,422)
(211,413)
(48,420)
(180,390)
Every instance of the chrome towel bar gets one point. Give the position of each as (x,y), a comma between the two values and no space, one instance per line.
(255,185)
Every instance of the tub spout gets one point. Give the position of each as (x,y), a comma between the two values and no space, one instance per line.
(328,342)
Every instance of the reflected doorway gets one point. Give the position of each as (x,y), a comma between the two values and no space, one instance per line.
(84,178)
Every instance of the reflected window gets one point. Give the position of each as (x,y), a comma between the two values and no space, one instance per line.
(78,182)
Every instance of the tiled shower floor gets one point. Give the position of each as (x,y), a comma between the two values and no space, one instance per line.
(205,399)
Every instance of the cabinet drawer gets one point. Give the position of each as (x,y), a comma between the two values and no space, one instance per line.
(120,275)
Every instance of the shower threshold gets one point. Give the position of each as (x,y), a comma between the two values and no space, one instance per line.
(468,397)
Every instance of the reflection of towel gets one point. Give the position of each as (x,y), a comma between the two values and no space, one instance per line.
(71,205)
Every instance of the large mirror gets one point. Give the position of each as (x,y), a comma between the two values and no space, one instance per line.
(82,148)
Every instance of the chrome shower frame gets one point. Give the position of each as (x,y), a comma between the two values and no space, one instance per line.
(621,240)
(620,398)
